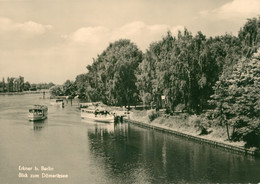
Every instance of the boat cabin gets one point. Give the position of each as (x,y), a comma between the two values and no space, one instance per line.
(38,112)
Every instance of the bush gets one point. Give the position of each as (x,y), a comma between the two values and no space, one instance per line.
(200,123)
(250,134)
(152,115)
(179,107)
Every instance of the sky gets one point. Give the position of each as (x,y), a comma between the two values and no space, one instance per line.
(54,40)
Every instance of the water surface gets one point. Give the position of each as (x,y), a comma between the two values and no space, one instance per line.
(106,153)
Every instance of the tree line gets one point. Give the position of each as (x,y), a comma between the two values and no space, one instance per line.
(183,73)
(18,84)
(182,68)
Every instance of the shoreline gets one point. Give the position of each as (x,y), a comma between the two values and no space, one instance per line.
(197,138)
(23,92)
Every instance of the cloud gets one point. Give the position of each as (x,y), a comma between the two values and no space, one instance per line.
(234,9)
(26,35)
(137,31)
(140,29)
(33,27)
(228,18)
(88,34)
(61,58)
(30,27)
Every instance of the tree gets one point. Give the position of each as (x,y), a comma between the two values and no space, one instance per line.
(145,75)
(237,101)
(56,91)
(250,36)
(10,84)
(20,84)
(69,88)
(181,69)
(49,85)
(112,74)
(3,85)
(81,83)
(27,86)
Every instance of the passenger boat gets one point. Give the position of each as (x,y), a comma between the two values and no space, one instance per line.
(38,112)
(97,115)
(58,102)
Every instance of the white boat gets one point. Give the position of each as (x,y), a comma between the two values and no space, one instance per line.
(58,102)
(38,112)
(97,115)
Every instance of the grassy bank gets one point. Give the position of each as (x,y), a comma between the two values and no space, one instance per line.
(187,124)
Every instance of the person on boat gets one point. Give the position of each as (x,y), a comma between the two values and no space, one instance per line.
(96,112)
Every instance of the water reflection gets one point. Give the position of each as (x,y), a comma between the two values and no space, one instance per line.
(39,125)
(106,130)
(139,155)
(119,154)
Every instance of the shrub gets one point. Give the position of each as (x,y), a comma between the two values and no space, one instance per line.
(180,107)
(200,123)
(250,134)
(152,115)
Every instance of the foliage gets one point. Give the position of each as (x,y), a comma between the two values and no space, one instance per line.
(152,115)
(180,108)
(69,88)
(186,70)
(249,36)
(56,90)
(44,85)
(237,100)
(111,77)
(81,85)
(27,86)
(145,75)
(13,84)
(200,123)
(18,85)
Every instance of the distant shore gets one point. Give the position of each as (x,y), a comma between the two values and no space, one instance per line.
(24,92)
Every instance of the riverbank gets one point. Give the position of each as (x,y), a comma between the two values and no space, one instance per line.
(23,92)
(187,126)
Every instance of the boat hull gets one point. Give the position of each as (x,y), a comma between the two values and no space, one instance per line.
(35,117)
(100,118)
(60,104)
(57,102)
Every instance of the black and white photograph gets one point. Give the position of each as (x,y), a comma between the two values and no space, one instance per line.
(129,91)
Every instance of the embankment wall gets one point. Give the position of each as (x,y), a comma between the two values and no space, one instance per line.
(228,147)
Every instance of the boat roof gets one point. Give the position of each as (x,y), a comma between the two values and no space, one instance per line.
(57,99)
(86,103)
(41,107)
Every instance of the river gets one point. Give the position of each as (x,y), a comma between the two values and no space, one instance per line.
(80,152)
